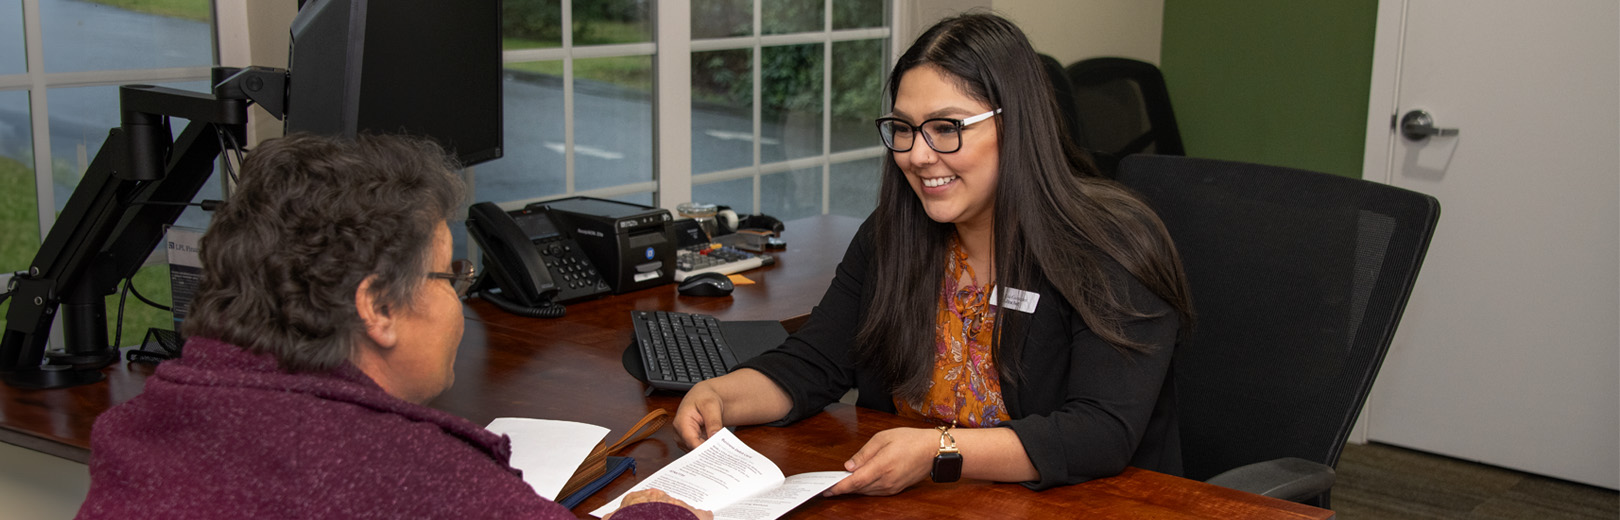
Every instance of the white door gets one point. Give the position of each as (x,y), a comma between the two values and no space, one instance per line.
(1509,351)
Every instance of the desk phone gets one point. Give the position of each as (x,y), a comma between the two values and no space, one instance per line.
(529,264)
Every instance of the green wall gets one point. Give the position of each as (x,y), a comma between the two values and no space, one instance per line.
(1281,82)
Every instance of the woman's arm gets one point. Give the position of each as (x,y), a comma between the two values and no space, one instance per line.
(895,459)
(741,397)
(1105,408)
(797,378)
(1080,420)
(815,366)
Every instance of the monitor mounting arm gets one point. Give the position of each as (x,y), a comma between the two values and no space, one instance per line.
(116,216)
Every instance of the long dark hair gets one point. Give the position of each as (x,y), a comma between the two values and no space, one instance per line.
(1054,219)
(314,216)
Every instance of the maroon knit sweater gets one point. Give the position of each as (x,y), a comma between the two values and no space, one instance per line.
(222,433)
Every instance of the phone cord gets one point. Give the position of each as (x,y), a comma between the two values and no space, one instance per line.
(545,310)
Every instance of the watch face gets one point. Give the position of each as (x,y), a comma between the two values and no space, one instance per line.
(947,467)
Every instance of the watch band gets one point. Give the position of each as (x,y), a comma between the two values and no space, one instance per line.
(948,462)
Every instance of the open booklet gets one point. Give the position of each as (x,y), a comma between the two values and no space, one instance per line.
(727,477)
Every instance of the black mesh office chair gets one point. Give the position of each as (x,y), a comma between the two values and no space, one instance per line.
(1065,95)
(1124,109)
(1298,281)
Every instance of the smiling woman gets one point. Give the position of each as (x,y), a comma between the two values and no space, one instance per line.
(1000,291)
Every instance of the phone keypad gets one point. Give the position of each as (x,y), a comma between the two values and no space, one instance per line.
(574,276)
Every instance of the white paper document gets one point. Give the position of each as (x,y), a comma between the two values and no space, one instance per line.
(548,451)
(735,482)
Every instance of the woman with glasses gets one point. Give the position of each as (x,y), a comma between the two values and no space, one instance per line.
(1000,291)
(329,311)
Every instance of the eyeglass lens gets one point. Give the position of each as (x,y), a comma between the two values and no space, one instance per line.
(943,135)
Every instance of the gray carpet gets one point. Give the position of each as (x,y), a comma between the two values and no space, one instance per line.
(1377,481)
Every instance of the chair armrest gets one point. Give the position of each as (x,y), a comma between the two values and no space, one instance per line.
(1289,478)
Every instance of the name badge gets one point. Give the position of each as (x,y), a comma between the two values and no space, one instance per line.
(1017,299)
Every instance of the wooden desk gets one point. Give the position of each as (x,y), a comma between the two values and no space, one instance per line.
(570,369)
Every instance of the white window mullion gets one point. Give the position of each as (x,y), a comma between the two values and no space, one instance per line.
(15,82)
(826,109)
(902,29)
(777,40)
(44,192)
(672,103)
(528,55)
(759,98)
(568,96)
(613,50)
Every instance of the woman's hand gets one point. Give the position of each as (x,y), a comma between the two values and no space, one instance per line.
(889,463)
(700,415)
(742,397)
(656,496)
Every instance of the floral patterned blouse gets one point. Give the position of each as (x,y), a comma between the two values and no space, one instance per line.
(966,388)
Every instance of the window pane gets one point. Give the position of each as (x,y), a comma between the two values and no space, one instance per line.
(13,59)
(738,194)
(791,104)
(79,121)
(152,281)
(722,110)
(19,210)
(642,198)
(792,194)
(529,24)
(854,187)
(532,126)
(857,96)
(613,128)
(83,36)
(195,217)
(722,18)
(858,14)
(792,16)
(16,133)
(80,118)
(611,21)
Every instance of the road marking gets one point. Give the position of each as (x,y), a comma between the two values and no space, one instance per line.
(725,135)
(589,151)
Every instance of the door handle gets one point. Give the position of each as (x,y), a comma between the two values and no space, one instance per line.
(1418,125)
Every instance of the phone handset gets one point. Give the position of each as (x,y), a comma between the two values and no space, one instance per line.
(526,286)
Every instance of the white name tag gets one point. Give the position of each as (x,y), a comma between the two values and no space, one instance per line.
(1017,299)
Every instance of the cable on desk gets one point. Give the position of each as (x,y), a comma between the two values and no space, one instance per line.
(548,310)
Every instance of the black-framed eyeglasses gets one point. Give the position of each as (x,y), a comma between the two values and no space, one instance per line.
(943,134)
(461,276)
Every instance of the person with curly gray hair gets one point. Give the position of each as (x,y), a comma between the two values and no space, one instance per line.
(329,312)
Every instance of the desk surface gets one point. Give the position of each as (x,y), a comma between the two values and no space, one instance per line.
(570,369)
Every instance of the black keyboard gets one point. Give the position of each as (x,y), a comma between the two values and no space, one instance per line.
(680,349)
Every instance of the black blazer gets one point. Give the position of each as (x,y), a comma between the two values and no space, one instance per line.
(1083,408)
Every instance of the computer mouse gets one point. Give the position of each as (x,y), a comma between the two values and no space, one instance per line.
(706,284)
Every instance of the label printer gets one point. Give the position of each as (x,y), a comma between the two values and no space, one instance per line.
(630,244)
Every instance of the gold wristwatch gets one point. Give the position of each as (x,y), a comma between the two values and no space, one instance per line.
(948,463)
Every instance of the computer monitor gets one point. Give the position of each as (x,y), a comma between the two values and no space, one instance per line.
(424,67)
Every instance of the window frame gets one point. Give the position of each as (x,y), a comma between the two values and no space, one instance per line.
(672,49)
(37,84)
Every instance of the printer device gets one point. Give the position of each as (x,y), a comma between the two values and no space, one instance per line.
(631,245)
